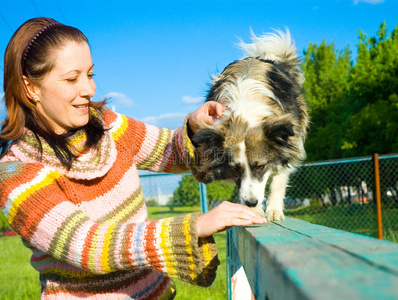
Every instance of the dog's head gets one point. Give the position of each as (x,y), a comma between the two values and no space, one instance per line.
(232,150)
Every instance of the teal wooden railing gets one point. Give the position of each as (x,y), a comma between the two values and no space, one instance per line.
(293,259)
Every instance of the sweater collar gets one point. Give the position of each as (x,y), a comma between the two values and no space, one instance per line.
(90,163)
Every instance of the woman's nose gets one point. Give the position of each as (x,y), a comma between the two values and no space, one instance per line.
(88,88)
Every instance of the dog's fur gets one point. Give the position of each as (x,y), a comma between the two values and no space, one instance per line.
(263,132)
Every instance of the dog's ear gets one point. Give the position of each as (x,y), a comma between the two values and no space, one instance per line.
(208,154)
(207,138)
(279,132)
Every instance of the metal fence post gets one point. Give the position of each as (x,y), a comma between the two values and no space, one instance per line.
(203,197)
(229,262)
(378,195)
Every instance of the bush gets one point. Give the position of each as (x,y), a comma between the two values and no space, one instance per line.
(4,226)
(151,202)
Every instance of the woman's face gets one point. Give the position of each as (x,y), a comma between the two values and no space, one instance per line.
(64,94)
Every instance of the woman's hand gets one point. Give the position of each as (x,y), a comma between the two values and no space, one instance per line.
(224,216)
(205,114)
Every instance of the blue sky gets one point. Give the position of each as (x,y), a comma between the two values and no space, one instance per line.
(155,58)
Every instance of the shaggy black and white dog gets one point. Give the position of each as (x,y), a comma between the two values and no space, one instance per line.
(262,134)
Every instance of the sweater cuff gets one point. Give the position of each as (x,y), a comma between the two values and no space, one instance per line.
(196,259)
(189,148)
(190,151)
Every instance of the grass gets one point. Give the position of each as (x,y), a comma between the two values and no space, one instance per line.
(357,218)
(18,280)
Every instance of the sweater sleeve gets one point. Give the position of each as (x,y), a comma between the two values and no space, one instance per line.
(155,149)
(34,204)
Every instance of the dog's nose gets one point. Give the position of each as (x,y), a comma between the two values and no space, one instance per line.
(251,203)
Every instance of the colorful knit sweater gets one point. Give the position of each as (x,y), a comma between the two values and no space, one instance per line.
(88,226)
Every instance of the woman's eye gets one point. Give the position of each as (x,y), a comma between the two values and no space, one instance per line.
(71,79)
(91,75)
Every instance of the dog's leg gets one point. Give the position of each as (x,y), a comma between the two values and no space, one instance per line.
(274,210)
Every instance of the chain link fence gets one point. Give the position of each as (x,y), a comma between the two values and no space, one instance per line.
(338,194)
(158,189)
(342,194)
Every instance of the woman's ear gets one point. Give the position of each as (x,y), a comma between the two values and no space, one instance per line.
(31,89)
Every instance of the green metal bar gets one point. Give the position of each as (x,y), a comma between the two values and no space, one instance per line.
(203,197)
(229,255)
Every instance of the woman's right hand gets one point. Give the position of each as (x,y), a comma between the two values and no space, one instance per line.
(224,216)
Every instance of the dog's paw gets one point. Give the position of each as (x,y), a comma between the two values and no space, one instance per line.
(274,215)
(259,211)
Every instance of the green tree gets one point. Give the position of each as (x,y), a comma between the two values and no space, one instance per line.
(187,192)
(325,71)
(373,119)
(220,191)
(353,107)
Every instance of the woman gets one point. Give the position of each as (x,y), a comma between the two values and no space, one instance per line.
(69,183)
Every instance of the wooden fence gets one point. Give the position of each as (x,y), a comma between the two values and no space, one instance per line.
(293,259)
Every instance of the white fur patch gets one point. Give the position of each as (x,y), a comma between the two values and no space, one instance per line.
(273,46)
(242,154)
(245,98)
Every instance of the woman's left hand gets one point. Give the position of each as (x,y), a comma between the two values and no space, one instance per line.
(205,114)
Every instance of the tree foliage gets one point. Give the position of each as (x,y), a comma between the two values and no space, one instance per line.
(188,191)
(326,71)
(353,106)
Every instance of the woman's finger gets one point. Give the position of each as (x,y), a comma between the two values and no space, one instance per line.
(216,109)
(239,208)
(224,216)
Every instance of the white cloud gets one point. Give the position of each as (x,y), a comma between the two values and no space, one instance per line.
(368,1)
(192,100)
(117,101)
(171,120)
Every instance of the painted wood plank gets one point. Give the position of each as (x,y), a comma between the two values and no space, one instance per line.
(378,252)
(293,259)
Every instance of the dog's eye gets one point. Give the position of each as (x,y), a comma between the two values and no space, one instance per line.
(260,167)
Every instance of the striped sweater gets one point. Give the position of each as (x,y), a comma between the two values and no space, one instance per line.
(88,227)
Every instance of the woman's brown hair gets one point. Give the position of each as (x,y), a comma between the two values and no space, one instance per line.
(30,54)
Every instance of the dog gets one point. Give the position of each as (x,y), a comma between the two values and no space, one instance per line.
(261,136)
